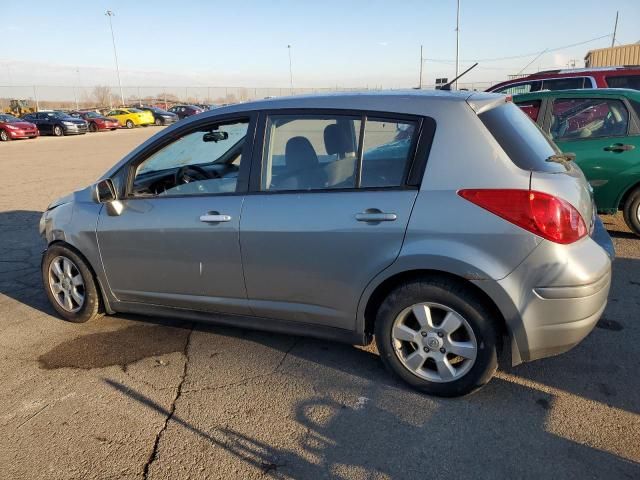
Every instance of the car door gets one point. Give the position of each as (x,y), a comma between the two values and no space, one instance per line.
(173,239)
(328,210)
(604,136)
(43,121)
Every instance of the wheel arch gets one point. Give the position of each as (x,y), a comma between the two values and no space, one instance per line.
(104,299)
(622,199)
(382,290)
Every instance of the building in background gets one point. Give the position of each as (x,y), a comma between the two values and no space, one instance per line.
(613,56)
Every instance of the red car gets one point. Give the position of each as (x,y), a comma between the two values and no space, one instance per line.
(12,127)
(600,77)
(97,122)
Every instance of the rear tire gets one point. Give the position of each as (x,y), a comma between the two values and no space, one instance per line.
(70,285)
(631,211)
(459,322)
(129,124)
(4,136)
(58,131)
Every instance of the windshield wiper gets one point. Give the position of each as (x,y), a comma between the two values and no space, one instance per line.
(561,158)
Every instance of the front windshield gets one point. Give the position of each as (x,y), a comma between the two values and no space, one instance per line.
(92,115)
(135,110)
(8,118)
(61,115)
(193,149)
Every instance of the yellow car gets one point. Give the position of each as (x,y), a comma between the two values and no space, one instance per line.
(131,117)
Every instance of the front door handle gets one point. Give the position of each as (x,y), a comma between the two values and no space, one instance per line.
(374,215)
(619,147)
(215,217)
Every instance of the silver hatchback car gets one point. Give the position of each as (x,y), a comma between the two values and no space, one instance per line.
(442,223)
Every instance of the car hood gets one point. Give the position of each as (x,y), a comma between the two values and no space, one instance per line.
(61,201)
(22,124)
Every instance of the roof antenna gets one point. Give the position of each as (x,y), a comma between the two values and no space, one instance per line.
(447,86)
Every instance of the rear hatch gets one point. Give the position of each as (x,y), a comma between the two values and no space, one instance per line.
(530,149)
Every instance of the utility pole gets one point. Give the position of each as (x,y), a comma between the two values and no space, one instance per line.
(421,62)
(110,14)
(615,29)
(457,41)
(290,69)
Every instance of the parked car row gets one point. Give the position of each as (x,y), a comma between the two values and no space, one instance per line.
(59,123)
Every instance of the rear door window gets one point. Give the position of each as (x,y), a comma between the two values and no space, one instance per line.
(520,138)
(587,118)
(624,81)
(531,108)
(387,149)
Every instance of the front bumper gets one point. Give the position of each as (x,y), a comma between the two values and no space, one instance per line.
(555,297)
(23,133)
(169,120)
(74,129)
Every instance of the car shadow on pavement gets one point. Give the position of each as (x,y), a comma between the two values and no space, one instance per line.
(397,433)
(20,254)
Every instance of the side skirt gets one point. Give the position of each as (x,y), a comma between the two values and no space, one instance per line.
(246,321)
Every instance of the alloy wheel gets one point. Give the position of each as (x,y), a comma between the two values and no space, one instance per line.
(66,284)
(434,342)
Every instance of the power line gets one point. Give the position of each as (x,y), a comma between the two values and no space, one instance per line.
(513,57)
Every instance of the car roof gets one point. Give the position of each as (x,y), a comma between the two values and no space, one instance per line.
(399,101)
(581,93)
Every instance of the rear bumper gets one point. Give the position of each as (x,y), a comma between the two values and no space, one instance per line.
(108,126)
(555,297)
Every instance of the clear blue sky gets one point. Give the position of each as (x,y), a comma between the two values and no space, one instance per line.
(344,42)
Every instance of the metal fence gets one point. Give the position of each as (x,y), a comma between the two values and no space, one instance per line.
(43,97)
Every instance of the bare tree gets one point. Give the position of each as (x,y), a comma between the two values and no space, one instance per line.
(102,96)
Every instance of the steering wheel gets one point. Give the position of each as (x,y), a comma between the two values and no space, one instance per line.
(183,177)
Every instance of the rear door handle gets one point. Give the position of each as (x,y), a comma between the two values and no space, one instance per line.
(215,217)
(374,215)
(619,147)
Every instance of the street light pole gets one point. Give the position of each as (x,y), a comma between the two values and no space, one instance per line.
(110,14)
(290,69)
(421,62)
(457,41)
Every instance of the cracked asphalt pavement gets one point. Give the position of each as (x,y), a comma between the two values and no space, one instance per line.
(140,397)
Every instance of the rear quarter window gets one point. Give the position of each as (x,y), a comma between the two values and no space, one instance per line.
(624,81)
(521,139)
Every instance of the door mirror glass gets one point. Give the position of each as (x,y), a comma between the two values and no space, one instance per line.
(105,191)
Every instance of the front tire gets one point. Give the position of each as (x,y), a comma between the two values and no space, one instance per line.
(158,122)
(58,131)
(4,136)
(93,127)
(129,124)
(438,336)
(631,211)
(70,285)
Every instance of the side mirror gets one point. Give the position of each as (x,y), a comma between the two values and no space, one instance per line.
(105,191)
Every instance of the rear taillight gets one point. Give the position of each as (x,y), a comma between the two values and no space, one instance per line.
(540,213)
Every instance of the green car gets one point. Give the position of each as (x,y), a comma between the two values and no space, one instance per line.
(602,127)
